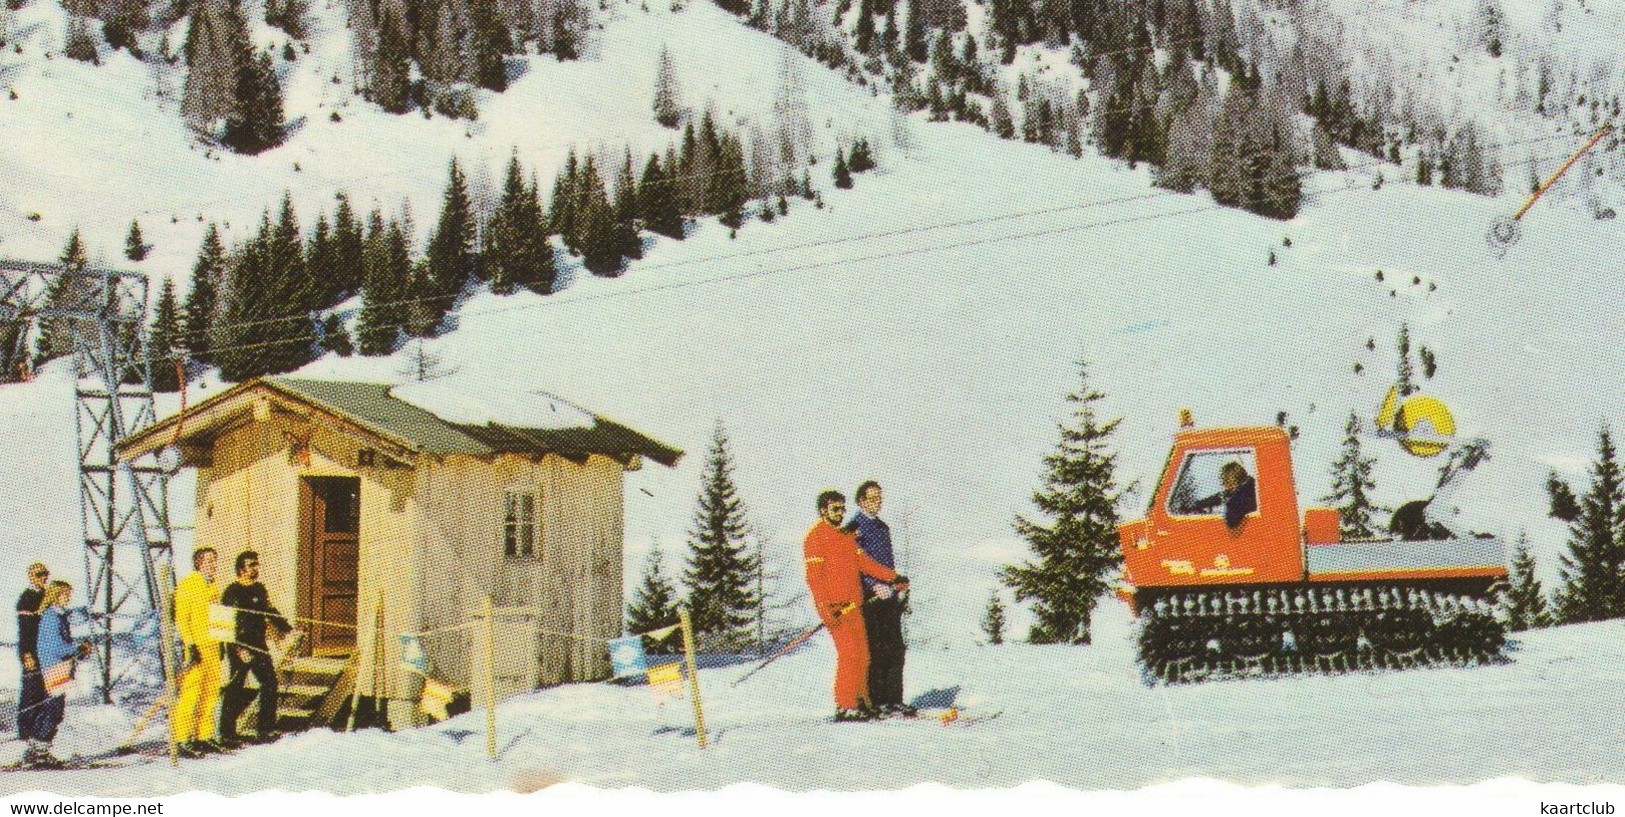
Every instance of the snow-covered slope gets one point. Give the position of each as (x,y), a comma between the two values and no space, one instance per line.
(95,147)
(920,330)
(1074,716)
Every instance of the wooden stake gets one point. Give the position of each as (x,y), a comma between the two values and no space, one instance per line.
(379,684)
(490,681)
(368,654)
(693,676)
(166,634)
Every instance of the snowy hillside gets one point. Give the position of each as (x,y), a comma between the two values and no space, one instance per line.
(1078,717)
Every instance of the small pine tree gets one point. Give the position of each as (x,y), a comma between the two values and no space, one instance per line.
(450,257)
(255,123)
(164,339)
(134,248)
(1424,169)
(1076,550)
(1352,484)
(1591,569)
(1524,600)
(1407,372)
(1430,365)
(658,200)
(667,107)
(336,336)
(842,175)
(861,160)
(993,620)
(654,603)
(200,299)
(80,44)
(720,575)
(1563,505)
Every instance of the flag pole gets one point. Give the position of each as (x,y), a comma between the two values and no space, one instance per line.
(693,675)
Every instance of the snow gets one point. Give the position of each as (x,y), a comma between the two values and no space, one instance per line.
(465,400)
(921,330)
(1076,716)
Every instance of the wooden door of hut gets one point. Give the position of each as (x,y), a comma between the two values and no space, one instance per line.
(330,553)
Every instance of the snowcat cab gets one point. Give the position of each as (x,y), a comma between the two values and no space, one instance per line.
(1281,590)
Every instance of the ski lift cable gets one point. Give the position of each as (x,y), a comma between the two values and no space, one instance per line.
(760,273)
(812,245)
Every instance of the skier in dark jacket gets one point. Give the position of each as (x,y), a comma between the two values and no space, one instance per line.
(883,607)
(1239,497)
(249,654)
(32,696)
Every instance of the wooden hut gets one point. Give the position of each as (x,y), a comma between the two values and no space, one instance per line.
(421,501)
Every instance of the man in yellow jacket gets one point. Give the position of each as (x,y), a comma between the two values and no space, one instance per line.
(193,721)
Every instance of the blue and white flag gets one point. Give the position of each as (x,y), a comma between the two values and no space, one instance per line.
(626,656)
(412,656)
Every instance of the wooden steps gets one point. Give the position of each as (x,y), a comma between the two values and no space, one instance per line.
(311,690)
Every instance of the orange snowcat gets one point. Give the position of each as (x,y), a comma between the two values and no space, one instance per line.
(1278,592)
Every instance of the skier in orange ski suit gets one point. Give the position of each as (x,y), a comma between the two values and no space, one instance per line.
(834,562)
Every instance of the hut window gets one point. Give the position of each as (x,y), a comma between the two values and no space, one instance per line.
(519,523)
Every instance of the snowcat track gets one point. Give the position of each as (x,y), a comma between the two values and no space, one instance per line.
(1199,636)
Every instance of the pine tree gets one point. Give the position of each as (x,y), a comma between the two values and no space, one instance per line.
(66,292)
(134,248)
(1003,125)
(1407,373)
(993,621)
(654,603)
(164,338)
(255,122)
(285,300)
(563,211)
(392,65)
(601,239)
(517,253)
(1430,364)
(490,42)
(864,37)
(843,175)
(1524,600)
(319,263)
(658,201)
(78,43)
(1591,569)
(667,107)
(914,35)
(348,269)
(1352,484)
(626,210)
(200,299)
(728,187)
(450,257)
(1424,169)
(386,284)
(336,336)
(721,569)
(1076,550)
(564,38)
(1563,504)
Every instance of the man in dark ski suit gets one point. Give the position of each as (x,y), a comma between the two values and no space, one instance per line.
(33,686)
(883,607)
(249,654)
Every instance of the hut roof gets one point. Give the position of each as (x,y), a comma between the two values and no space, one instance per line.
(412,420)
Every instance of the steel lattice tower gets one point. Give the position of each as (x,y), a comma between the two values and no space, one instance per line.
(124,507)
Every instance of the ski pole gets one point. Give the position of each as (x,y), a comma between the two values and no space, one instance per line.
(794,642)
